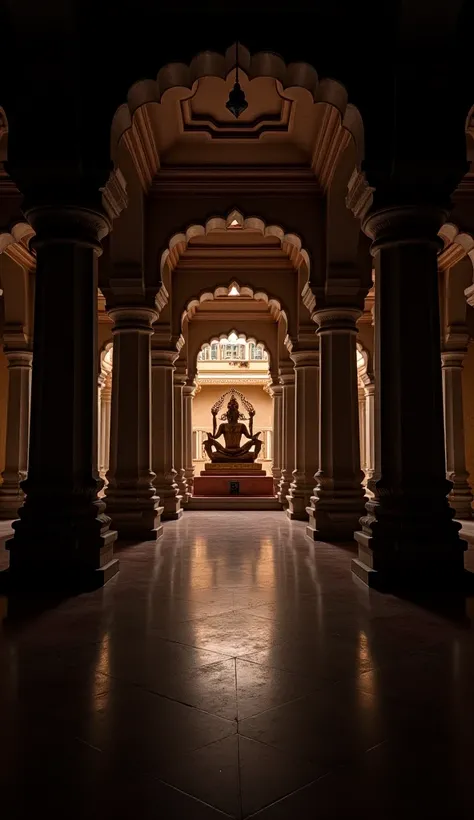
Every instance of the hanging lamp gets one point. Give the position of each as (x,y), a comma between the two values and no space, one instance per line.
(237,103)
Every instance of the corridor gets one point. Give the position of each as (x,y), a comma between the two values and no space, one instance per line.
(235,669)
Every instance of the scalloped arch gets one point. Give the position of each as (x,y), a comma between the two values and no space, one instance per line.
(290,243)
(133,121)
(457,245)
(364,365)
(224,337)
(274,305)
(16,244)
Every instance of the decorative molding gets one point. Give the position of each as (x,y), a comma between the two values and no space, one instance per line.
(137,122)
(274,305)
(139,139)
(457,245)
(287,181)
(360,194)
(244,380)
(194,122)
(15,243)
(114,194)
(290,244)
(331,141)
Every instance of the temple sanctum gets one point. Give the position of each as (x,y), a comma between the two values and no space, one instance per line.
(236,374)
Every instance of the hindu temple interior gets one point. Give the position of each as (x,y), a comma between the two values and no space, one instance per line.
(236,411)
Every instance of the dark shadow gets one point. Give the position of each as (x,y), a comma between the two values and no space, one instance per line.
(445,597)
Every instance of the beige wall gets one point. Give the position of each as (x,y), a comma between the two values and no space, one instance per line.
(468,401)
(209,394)
(3,406)
(104,334)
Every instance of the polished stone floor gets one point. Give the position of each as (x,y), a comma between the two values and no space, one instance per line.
(236,669)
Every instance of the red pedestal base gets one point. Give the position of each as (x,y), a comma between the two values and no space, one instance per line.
(227,486)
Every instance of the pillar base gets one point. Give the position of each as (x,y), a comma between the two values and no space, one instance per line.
(335,518)
(460,499)
(11,499)
(56,578)
(386,563)
(283,491)
(299,499)
(173,515)
(59,564)
(135,517)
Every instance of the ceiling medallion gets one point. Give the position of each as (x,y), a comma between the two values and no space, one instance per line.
(237,103)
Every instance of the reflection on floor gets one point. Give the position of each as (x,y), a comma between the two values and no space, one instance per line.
(236,669)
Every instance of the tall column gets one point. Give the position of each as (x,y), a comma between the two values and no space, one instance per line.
(189,391)
(63,537)
(369,391)
(460,497)
(180,379)
(408,534)
(362,433)
(163,432)
(130,495)
(276,391)
(287,379)
(18,430)
(104,422)
(338,502)
(306,432)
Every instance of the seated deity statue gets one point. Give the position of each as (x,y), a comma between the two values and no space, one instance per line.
(232,430)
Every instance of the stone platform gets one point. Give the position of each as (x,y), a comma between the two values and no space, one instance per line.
(236,503)
(237,469)
(233,485)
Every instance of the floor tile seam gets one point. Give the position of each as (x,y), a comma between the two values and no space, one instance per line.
(285,797)
(168,698)
(192,797)
(196,646)
(310,694)
(296,758)
(296,675)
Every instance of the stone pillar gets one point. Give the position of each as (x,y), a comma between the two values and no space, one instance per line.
(189,391)
(369,391)
(163,432)
(276,392)
(287,379)
(408,535)
(460,497)
(18,429)
(362,433)
(104,426)
(338,502)
(306,432)
(62,539)
(130,495)
(180,379)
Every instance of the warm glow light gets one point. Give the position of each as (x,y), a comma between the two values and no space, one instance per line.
(233,291)
(234,224)
(233,338)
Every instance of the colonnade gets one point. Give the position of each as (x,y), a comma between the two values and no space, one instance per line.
(407,525)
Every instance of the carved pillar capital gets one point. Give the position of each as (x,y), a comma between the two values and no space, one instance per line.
(133,318)
(335,319)
(407,225)
(18,358)
(453,358)
(163,358)
(67,223)
(305,358)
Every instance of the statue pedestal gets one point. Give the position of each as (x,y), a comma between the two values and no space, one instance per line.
(231,484)
(237,468)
